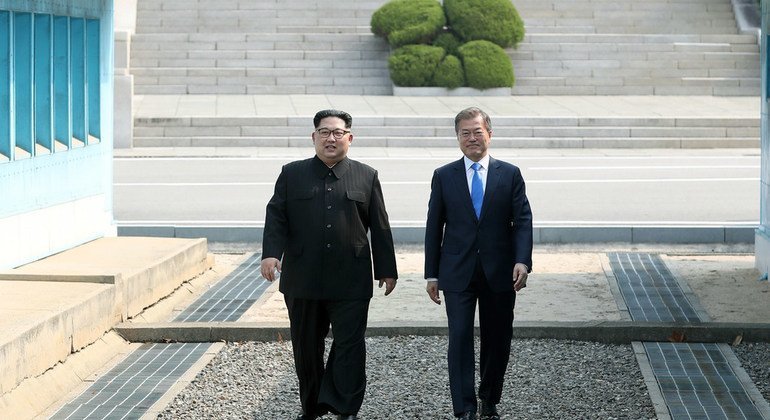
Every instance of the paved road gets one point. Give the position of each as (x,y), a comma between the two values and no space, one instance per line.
(572,187)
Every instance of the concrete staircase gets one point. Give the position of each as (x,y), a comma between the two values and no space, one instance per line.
(572,47)
(626,47)
(258,47)
(309,47)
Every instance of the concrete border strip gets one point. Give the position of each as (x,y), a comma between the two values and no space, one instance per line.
(617,332)
(653,388)
(625,315)
(748,384)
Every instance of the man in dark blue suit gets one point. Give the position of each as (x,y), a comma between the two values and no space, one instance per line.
(478,248)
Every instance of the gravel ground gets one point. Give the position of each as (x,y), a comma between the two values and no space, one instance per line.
(755,359)
(407,379)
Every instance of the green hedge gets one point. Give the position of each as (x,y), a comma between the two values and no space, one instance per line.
(428,39)
(449,73)
(448,42)
(415,65)
(486,65)
(404,22)
(492,20)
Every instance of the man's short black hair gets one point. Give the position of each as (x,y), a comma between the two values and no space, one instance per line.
(344,116)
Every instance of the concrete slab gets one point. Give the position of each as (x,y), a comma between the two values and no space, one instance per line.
(61,304)
(142,269)
(41,323)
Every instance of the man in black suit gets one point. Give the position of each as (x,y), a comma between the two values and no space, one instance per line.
(478,247)
(316,237)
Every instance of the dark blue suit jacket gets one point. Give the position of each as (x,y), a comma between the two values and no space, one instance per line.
(501,237)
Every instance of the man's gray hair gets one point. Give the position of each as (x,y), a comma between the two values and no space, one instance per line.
(470,113)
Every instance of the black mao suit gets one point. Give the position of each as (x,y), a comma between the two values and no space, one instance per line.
(317,222)
(473,260)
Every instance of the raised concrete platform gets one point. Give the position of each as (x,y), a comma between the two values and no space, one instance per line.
(56,306)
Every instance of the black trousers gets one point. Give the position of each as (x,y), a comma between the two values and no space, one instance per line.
(339,386)
(496,325)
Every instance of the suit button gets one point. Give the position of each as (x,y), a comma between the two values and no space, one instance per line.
(328,245)
(329,189)
(329,207)
(328,226)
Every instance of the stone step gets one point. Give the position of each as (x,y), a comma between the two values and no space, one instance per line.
(60,304)
(256,5)
(500,142)
(437,131)
(257,40)
(288,29)
(346,88)
(701,90)
(501,121)
(730,39)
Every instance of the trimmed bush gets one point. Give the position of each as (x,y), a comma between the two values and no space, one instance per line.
(486,65)
(414,65)
(492,20)
(449,73)
(448,42)
(404,22)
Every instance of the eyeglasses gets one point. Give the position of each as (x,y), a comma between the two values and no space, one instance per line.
(325,133)
(467,134)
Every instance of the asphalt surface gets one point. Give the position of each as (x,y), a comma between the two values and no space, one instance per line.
(565,187)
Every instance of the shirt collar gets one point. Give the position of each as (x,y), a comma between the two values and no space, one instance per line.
(484,162)
(339,169)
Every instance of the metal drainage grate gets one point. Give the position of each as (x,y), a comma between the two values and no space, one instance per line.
(131,388)
(649,290)
(695,379)
(698,382)
(230,297)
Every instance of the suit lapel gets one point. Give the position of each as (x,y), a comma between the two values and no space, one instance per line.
(461,185)
(493,180)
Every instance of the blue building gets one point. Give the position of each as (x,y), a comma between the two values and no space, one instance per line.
(762,241)
(56,119)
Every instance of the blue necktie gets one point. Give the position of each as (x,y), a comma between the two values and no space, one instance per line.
(477,189)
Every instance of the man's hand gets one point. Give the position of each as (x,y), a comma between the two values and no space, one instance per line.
(432,289)
(519,276)
(390,284)
(268,267)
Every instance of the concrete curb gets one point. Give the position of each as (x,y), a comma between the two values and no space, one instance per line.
(618,332)
(738,234)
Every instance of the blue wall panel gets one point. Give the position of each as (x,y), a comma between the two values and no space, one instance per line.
(6,143)
(22,28)
(92,74)
(61,80)
(47,96)
(78,78)
(43,82)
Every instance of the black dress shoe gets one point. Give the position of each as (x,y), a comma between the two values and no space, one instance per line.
(468,415)
(302,416)
(489,411)
(347,417)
